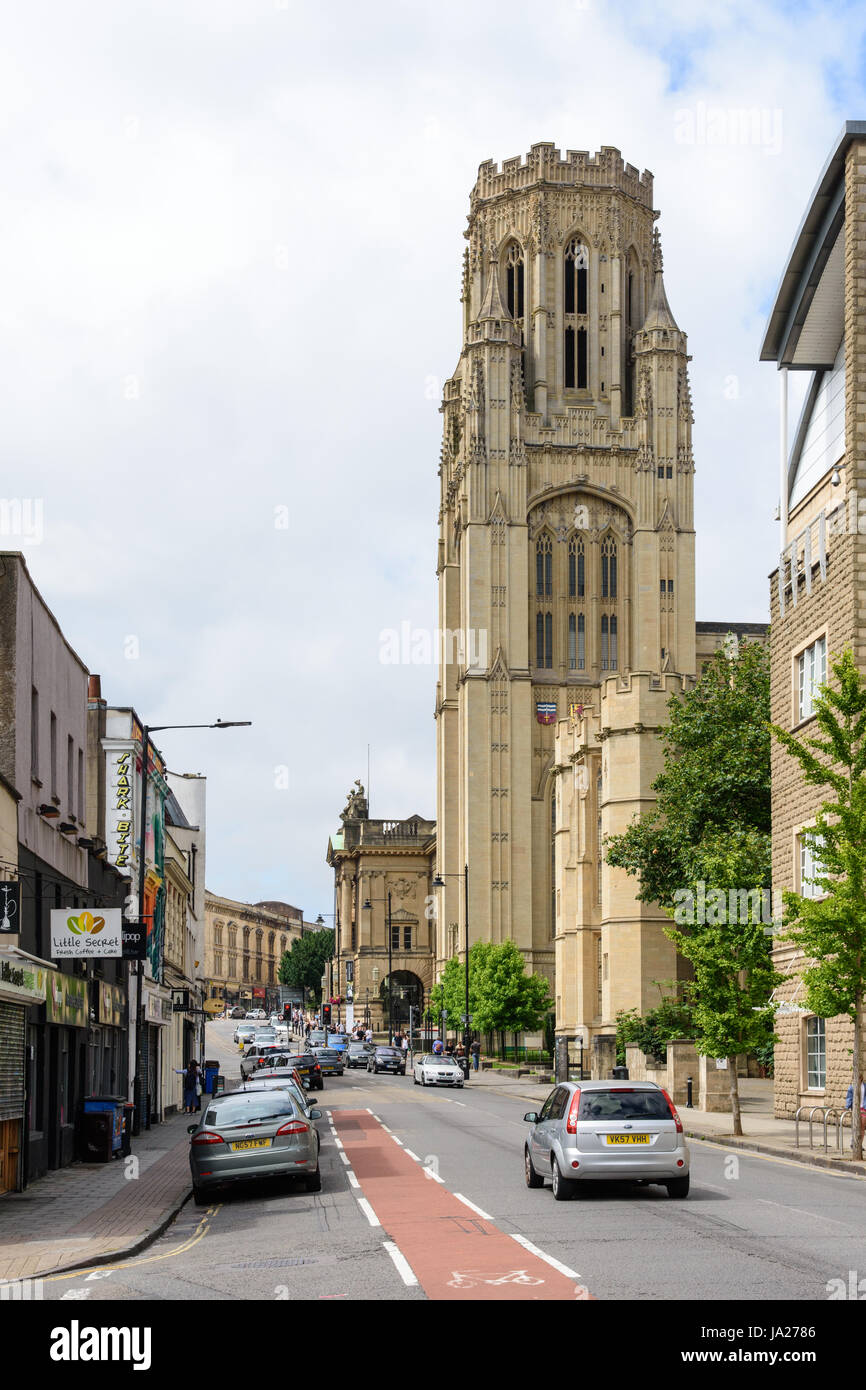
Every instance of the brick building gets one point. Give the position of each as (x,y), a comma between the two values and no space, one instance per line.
(818,598)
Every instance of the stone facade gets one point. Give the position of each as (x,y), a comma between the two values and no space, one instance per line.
(244,944)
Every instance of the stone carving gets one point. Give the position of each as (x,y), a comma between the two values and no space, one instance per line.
(356,805)
(403,888)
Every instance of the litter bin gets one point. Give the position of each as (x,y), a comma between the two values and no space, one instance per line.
(101,1128)
(211,1070)
(620,1073)
(126,1133)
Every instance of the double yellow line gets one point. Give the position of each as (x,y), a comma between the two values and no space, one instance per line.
(198,1234)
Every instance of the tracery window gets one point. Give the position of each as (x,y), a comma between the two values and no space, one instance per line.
(514,281)
(544,639)
(576,272)
(608,568)
(544,567)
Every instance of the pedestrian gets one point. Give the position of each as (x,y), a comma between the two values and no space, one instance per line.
(849,1100)
(437,1047)
(191,1087)
(404,1045)
(475,1053)
(368,1036)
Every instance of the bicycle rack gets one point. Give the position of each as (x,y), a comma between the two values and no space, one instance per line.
(827,1112)
(812,1109)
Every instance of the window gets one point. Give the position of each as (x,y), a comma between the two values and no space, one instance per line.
(816,1054)
(395,938)
(407,938)
(810,865)
(811,672)
(608,569)
(572,642)
(581,642)
(544,639)
(514,281)
(576,271)
(53,754)
(582,377)
(576,568)
(34,732)
(70,775)
(81,785)
(544,568)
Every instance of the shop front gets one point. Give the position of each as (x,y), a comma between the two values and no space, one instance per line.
(64,1072)
(107,1065)
(154,1060)
(22,987)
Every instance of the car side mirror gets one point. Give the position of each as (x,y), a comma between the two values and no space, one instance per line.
(191,1129)
(315,1114)
(531,1118)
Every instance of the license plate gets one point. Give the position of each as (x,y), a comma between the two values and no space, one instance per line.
(252,1144)
(628,1138)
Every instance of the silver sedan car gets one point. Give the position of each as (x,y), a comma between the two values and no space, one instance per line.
(253,1134)
(606,1130)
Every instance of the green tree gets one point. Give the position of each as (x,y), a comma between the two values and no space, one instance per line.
(304,965)
(831,930)
(502,997)
(711,826)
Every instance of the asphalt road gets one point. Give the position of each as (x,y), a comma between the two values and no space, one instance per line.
(752,1229)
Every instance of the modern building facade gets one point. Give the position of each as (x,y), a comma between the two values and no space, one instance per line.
(818,589)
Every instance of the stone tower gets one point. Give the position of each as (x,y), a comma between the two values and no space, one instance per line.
(566,542)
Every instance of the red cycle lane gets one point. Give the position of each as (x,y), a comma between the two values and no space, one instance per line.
(454,1253)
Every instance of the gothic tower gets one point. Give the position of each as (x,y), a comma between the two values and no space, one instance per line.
(566,543)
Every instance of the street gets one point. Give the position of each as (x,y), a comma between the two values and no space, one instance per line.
(442,1172)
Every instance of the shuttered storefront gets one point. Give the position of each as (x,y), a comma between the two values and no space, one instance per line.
(11,1091)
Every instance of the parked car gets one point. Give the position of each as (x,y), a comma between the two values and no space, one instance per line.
(264,1035)
(330,1061)
(318,1038)
(251,1135)
(358,1054)
(259,1055)
(265,1080)
(237,1012)
(307,1066)
(244,1033)
(389,1059)
(602,1130)
(433,1070)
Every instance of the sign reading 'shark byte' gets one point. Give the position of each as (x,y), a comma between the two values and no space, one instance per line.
(79,934)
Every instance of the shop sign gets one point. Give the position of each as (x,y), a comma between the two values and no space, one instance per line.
(82,934)
(26,983)
(157,1009)
(112,1004)
(120,815)
(65,999)
(10,907)
(134,940)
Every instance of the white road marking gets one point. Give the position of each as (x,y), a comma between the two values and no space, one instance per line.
(385,1127)
(404,1269)
(466,1202)
(397,1141)
(352,1179)
(369,1111)
(411,1155)
(548,1259)
(784,1205)
(434,1176)
(338,1142)
(457,1102)
(345,1159)
(368,1212)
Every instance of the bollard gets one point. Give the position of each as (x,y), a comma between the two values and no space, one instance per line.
(689,1081)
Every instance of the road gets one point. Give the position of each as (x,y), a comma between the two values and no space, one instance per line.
(440,1173)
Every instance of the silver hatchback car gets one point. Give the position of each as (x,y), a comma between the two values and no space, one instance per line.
(253,1134)
(610,1131)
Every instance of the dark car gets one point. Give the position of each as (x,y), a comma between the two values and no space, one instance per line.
(387,1059)
(307,1064)
(358,1054)
(330,1061)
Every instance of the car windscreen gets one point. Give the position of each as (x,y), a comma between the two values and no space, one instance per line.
(358,1047)
(623,1105)
(247,1107)
(431,1060)
(327,1054)
(388,1052)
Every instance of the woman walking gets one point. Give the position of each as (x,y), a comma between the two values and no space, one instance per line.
(191,1082)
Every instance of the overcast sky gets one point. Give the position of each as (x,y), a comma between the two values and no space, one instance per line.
(231,242)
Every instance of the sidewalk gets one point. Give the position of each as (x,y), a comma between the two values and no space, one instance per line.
(762,1132)
(89,1213)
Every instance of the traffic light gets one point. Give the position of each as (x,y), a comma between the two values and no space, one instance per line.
(326,1014)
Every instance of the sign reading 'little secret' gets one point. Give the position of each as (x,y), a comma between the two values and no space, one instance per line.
(86,933)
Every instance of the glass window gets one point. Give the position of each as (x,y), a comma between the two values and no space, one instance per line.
(810,865)
(572,642)
(605,643)
(816,1054)
(514,281)
(581,642)
(548,639)
(407,938)
(395,938)
(624,1104)
(811,672)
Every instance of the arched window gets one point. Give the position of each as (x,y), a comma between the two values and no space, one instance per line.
(544,568)
(608,569)
(514,281)
(576,271)
(605,641)
(572,642)
(544,639)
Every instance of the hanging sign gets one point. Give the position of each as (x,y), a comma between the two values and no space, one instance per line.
(10,907)
(82,933)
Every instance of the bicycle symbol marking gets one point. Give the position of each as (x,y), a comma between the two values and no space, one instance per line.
(469,1278)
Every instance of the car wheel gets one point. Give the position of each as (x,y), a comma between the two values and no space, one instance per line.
(678,1187)
(532,1178)
(313,1183)
(563,1188)
(199,1196)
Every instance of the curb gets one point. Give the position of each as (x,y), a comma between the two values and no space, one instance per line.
(801,1156)
(110,1257)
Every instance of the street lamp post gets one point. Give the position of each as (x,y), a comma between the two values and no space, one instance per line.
(147,730)
(439,882)
(367,906)
(320,922)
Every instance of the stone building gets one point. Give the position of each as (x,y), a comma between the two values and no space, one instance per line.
(818,590)
(566,575)
(244,944)
(383,871)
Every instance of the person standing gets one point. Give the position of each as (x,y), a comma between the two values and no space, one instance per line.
(475,1053)
(191,1087)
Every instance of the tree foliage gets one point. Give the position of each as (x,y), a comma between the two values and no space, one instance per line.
(672,1018)
(303,966)
(711,828)
(831,930)
(502,997)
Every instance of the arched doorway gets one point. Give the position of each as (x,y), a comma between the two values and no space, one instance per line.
(406,991)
